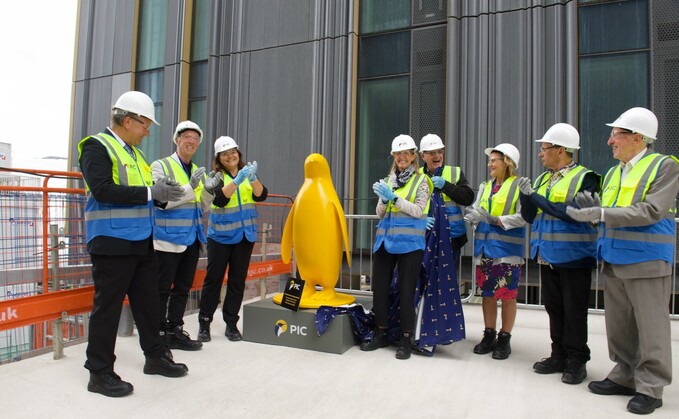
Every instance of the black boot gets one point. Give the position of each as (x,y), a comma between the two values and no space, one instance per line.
(487,344)
(164,366)
(232,333)
(204,329)
(109,384)
(502,348)
(405,348)
(178,338)
(379,341)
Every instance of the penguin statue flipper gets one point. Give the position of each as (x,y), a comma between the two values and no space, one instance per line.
(343,226)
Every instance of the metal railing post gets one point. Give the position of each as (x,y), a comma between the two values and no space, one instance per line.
(58,336)
(266,228)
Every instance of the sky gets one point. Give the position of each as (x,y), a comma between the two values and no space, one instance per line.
(36,80)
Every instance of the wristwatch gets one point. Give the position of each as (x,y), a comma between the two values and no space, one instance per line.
(395,199)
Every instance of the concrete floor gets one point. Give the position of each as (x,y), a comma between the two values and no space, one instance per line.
(250,380)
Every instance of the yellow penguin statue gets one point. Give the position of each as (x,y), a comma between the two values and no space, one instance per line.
(317,229)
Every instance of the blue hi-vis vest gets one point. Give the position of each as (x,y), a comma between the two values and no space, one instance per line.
(627,245)
(458,227)
(494,241)
(400,232)
(128,222)
(559,241)
(238,218)
(182,224)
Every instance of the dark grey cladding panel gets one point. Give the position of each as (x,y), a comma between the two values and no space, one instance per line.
(511,75)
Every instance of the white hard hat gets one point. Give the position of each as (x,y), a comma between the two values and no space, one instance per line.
(403,142)
(564,135)
(431,142)
(138,103)
(638,120)
(506,149)
(187,125)
(224,143)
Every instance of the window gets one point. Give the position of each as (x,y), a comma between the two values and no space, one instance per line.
(613,50)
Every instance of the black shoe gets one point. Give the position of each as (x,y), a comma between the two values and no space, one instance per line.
(488,342)
(164,366)
(109,384)
(549,365)
(179,338)
(574,373)
(405,347)
(380,340)
(232,333)
(643,404)
(502,347)
(204,329)
(607,387)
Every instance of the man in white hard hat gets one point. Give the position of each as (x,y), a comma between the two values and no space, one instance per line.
(636,212)
(119,225)
(178,234)
(564,248)
(445,322)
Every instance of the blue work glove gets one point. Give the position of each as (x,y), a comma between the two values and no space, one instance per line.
(586,199)
(196,177)
(385,191)
(525,186)
(212,181)
(430,223)
(378,191)
(438,181)
(253,171)
(590,214)
(242,175)
(487,218)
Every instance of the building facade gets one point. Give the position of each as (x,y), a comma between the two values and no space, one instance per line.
(287,78)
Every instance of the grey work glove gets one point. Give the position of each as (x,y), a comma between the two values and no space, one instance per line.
(586,199)
(487,218)
(472,216)
(166,189)
(591,214)
(212,181)
(525,186)
(196,177)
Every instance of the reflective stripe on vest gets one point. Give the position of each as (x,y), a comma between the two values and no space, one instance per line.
(119,221)
(182,224)
(400,232)
(556,240)
(494,241)
(627,245)
(228,225)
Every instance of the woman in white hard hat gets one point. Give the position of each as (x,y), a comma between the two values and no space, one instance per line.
(399,242)
(232,233)
(498,247)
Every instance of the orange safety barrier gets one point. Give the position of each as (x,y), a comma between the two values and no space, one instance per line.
(43,249)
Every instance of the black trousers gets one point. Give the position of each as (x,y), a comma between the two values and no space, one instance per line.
(408,265)
(175,278)
(565,292)
(114,277)
(219,256)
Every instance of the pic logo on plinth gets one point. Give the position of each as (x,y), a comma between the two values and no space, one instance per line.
(280,327)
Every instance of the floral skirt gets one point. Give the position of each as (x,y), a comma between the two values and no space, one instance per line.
(500,281)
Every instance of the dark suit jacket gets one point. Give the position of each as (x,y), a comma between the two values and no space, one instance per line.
(97,170)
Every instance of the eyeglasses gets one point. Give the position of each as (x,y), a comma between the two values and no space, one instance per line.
(617,133)
(403,153)
(543,149)
(229,152)
(190,137)
(495,159)
(143,124)
(433,152)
